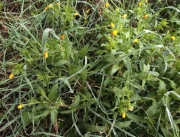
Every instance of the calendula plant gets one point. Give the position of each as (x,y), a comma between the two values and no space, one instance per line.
(89,68)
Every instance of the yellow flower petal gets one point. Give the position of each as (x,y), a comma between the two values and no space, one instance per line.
(46,54)
(135,40)
(140,4)
(87,11)
(123,115)
(76,14)
(50,6)
(106,4)
(11,76)
(124,16)
(46,8)
(112,25)
(173,38)
(20,106)
(62,37)
(146,15)
(114,33)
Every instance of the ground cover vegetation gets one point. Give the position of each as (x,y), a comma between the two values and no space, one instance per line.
(90,68)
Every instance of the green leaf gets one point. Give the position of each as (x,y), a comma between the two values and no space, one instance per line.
(162,87)
(54,116)
(40,76)
(41,91)
(127,63)
(60,62)
(74,69)
(45,113)
(1,5)
(153,109)
(25,118)
(135,97)
(107,81)
(155,74)
(68,49)
(46,34)
(66,112)
(114,69)
(135,85)
(95,128)
(135,118)
(150,124)
(84,50)
(173,85)
(119,92)
(53,92)
(33,101)
(141,64)
(84,76)
(18,68)
(172,123)
(166,132)
(76,102)
(123,124)
(173,94)
(146,67)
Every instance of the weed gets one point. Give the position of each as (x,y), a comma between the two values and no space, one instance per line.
(78,68)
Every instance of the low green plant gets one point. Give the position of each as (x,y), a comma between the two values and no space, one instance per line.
(99,70)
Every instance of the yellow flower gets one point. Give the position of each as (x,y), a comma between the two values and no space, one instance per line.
(50,6)
(123,115)
(112,25)
(46,54)
(135,40)
(20,106)
(173,38)
(146,15)
(62,37)
(87,11)
(11,76)
(124,16)
(46,8)
(114,33)
(106,4)
(140,4)
(76,14)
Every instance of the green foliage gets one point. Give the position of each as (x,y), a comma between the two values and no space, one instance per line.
(84,69)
